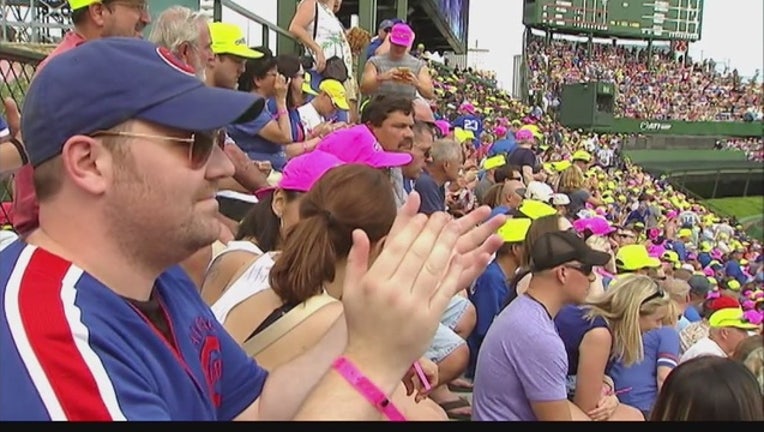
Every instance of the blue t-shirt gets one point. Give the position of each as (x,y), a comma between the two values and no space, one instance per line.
(680,249)
(487,295)
(503,146)
(692,314)
(433,196)
(470,123)
(661,348)
(704,258)
(572,327)
(75,350)
(246,136)
(372,48)
(732,269)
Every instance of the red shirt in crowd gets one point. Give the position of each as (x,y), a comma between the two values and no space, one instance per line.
(25,207)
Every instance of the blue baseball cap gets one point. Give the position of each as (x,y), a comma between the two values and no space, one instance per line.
(108,81)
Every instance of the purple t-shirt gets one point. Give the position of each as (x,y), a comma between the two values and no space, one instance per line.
(522,359)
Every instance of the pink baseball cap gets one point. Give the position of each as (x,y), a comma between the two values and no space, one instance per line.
(656,251)
(466,106)
(444,126)
(358,145)
(500,131)
(301,172)
(401,34)
(523,134)
(597,225)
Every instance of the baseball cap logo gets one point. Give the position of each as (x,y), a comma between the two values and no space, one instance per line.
(240,41)
(377,146)
(175,63)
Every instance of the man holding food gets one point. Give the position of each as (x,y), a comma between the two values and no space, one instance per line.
(397,72)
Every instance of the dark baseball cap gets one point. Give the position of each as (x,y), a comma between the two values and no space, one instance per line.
(699,285)
(389,23)
(559,247)
(108,81)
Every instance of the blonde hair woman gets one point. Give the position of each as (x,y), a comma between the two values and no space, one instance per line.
(572,183)
(750,352)
(609,328)
(661,355)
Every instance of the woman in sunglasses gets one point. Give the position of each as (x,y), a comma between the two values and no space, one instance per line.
(606,329)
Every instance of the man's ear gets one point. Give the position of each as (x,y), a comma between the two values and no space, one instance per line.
(96,12)
(88,164)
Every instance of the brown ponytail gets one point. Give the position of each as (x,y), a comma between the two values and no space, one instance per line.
(346,198)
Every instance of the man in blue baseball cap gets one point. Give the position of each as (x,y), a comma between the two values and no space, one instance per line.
(382,31)
(100,323)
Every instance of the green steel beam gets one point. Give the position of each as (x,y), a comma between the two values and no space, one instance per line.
(284,14)
(402,9)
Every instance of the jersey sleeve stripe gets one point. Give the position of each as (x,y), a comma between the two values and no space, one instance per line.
(69,374)
(23,346)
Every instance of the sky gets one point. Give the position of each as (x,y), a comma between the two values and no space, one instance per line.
(741,44)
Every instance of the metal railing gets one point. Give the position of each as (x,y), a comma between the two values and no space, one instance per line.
(267,28)
(17,67)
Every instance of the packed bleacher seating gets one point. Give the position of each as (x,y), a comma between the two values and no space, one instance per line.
(663,88)
(752,147)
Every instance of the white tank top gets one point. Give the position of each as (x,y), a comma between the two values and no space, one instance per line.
(235,245)
(251,282)
(330,36)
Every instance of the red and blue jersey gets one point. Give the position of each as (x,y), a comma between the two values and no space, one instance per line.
(72,349)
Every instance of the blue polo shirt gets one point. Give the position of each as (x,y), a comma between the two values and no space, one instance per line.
(638,382)
(487,295)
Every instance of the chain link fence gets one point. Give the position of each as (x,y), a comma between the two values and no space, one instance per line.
(17,67)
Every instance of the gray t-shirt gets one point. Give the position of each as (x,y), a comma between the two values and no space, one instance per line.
(522,359)
(384,63)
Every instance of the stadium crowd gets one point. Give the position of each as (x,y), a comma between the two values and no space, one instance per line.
(354,246)
(664,88)
(752,147)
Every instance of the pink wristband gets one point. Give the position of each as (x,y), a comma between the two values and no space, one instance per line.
(368,389)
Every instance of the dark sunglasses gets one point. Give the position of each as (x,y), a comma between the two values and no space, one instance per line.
(659,293)
(585,269)
(200,144)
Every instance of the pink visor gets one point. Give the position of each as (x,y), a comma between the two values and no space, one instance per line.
(302,172)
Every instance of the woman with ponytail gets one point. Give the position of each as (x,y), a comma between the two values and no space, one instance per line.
(312,264)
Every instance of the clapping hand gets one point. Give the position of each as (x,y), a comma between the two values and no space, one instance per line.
(393,307)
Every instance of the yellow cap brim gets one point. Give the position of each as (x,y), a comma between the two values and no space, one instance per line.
(240,51)
(341,103)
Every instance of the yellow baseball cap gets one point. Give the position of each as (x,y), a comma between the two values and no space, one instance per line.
(514,230)
(336,92)
(494,162)
(79,4)
(582,155)
(306,87)
(536,209)
(635,257)
(733,285)
(462,135)
(229,39)
(685,232)
(730,317)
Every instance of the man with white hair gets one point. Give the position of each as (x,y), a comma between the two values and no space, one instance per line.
(187,35)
